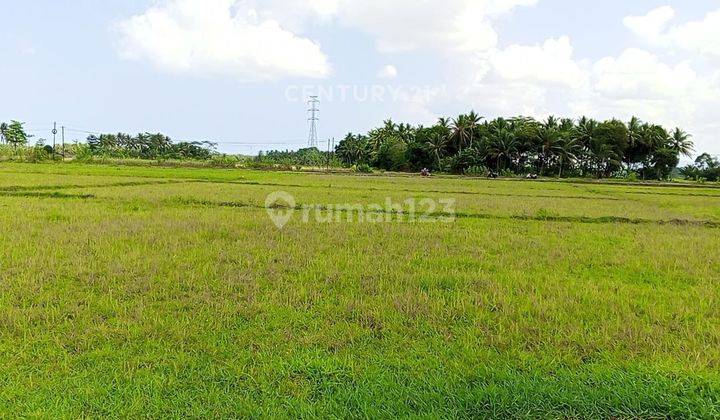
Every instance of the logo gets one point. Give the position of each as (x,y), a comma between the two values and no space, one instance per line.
(280,207)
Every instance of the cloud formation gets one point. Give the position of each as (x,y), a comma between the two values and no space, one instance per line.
(552,63)
(702,36)
(388,72)
(407,25)
(219,37)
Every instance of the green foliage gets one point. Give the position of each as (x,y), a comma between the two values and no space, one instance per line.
(363,168)
(147,146)
(290,160)
(521,145)
(392,155)
(223,160)
(632,177)
(106,146)
(706,168)
(14,133)
(477,170)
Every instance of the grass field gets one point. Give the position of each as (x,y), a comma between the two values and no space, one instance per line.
(169,292)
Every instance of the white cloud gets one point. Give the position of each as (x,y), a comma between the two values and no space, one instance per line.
(523,79)
(551,62)
(638,83)
(652,24)
(494,98)
(449,25)
(539,80)
(388,72)
(219,37)
(638,74)
(702,37)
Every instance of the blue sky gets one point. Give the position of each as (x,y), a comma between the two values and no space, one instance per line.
(234,71)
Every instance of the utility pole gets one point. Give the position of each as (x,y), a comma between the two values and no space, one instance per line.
(54,133)
(63,143)
(327,160)
(314,110)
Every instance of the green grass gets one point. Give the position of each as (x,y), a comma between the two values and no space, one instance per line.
(132,292)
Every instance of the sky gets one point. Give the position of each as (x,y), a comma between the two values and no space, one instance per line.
(238,72)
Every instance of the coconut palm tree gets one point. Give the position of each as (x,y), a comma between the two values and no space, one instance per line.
(473,121)
(551,122)
(444,123)
(604,157)
(462,131)
(634,131)
(548,138)
(680,143)
(567,151)
(436,146)
(503,146)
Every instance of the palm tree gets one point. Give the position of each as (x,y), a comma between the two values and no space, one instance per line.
(567,150)
(376,138)
(444,124)
(566,125)
(473,121)
(653,136)
(680,143)
(604,157)
(503,145)
(548,137)
(389,126)
(436,146)
(585,136)
(461,131)
(406,133)
(634,131)
(352,149)
(551,122)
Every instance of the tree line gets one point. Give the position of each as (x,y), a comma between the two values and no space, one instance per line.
(148,146)
(121,145)
(706,168)
(469,144)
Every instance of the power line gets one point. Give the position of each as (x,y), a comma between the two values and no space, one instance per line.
(40,129)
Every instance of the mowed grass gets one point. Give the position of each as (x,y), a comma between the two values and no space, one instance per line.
(168,292)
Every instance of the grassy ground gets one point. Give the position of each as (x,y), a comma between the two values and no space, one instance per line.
(169,292)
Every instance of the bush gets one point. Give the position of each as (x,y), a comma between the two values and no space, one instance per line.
(224,161)
(363,168)
(477,170)
(632,177)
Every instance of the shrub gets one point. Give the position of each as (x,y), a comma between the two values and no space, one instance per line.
(632,177)
(477,170)
(363,168)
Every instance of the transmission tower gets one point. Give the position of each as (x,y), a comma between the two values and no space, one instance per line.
(313,118)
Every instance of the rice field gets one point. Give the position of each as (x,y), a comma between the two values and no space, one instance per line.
(157,292)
